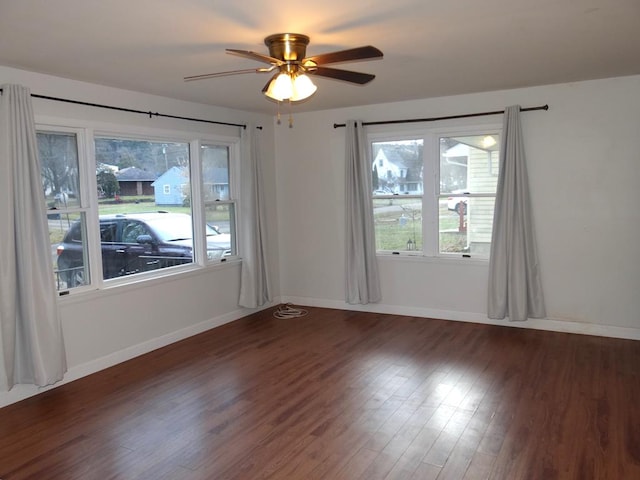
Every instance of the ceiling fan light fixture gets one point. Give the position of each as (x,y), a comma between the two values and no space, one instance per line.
(303,87)
(280,87)
(290,86)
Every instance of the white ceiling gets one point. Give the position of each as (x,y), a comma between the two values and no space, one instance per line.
(431,48)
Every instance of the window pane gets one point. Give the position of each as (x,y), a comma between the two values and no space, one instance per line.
(398,223)
(219,210)
(397,167)
(466,224)
(58,152)
(469,164)
(468,182)
(220,218)
(70,265)
(59,167)
(215,172)
(144,205)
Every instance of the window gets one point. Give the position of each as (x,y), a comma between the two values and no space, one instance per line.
(144,188)
(152,204)
(468,182)
(219,206)
(65,200)
(436,193)
(397,200)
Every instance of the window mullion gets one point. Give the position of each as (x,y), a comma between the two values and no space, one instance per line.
(197,207)
(234,193)
(93,224)
(431,200)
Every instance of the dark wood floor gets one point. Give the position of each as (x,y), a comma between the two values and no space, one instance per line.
(342,395)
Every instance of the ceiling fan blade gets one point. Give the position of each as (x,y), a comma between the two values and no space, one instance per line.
(255,56)
(353,54)
(226,74)
(344,75)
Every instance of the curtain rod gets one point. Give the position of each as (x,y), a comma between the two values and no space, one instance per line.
(449,117)
(131,110)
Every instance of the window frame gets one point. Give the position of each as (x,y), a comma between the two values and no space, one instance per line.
(233,148)
(86,133)
(84,187)
(431,194)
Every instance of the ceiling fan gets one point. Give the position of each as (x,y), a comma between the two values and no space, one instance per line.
(287,58)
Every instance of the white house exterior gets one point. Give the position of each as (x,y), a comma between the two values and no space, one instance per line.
(397,174)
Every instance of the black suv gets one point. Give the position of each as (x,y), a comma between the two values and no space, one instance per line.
(133,243)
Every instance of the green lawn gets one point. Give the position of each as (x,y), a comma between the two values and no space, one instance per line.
(136,205)
(398,221)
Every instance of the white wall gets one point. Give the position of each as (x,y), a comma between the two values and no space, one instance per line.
(584,168)
(107,327)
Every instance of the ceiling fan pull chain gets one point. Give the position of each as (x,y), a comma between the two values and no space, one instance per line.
(290,115)
(278,122)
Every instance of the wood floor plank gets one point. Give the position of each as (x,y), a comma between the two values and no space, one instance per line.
(342,395)
(411,459)
(357,464)
(426,472)
(480,467)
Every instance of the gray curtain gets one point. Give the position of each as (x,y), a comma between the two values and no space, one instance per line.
(254,282)
(362,278)
(515,287)
(30,331)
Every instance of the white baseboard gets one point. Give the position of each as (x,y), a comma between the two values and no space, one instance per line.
(21,392)
(550,324)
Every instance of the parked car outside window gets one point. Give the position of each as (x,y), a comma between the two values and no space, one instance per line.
(134,243)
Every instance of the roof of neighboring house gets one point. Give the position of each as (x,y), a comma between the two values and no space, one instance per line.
(171,174)
(134,174)
(172,171)
(216,175)
(393,156)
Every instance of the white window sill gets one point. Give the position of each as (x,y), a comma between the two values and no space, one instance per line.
(115,286)
(422,258)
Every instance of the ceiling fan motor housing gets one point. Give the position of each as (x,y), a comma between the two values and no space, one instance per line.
(289,47)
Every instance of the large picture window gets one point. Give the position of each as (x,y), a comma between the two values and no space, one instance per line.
(148,206)
(152,224)
(434,193)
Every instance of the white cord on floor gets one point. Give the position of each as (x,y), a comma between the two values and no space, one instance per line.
(289,311)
